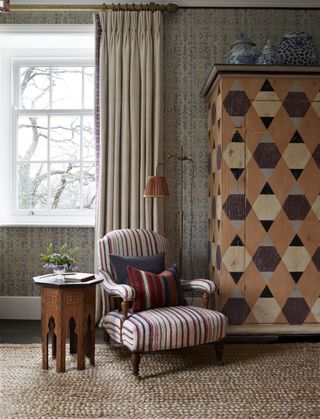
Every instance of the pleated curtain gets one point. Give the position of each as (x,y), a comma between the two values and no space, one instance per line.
(130,116)
(128,121)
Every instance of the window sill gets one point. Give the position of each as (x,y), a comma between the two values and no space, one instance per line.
(43,224)
(46,221)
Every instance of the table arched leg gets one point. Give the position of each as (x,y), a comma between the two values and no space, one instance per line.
(45,329)
(61,349)
(90,338)
(81,326)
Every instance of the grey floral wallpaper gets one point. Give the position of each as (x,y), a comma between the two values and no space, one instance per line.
(193,41)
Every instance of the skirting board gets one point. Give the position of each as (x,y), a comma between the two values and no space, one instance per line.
(20,308)
(281,329)
(29,308)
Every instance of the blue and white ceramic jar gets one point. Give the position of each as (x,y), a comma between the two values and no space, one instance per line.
(270,55)
(242,51)
(297,48)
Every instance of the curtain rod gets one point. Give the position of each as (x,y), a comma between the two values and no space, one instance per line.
(170,7)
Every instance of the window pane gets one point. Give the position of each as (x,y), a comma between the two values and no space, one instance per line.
(65,137)
(66,87)
(88,87)
(65,185)
(32,138)
(89,186)
(88,146)
(32,185)
(34,87)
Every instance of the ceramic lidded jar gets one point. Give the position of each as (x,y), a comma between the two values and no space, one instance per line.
(297,48)
(242,51)
(270,55)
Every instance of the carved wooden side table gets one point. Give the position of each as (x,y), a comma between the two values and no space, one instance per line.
(67,307)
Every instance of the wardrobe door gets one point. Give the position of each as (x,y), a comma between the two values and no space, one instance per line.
(265,274)
(235,207)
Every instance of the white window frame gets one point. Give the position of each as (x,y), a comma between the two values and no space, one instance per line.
(16,112)
(35,43)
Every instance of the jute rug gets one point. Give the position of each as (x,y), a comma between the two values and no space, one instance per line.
(257,381)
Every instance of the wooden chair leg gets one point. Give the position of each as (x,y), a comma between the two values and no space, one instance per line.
(135,361)
(106,336)
(219,346)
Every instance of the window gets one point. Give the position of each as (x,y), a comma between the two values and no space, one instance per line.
(47,150)
(54,138)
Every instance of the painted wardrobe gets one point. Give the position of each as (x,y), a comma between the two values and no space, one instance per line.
(264,202)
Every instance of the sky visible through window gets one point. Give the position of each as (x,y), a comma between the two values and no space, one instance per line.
(55,154)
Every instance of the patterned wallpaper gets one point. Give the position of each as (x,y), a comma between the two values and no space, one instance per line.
(20,248)
(51,18)
(193,41)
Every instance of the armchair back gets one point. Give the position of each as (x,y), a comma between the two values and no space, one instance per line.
(131,242)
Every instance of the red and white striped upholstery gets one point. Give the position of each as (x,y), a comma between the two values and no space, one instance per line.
(131,242)
(160,328)
(203,285)
(126,242)
(166,328)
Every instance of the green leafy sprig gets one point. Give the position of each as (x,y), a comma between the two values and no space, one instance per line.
(63,258)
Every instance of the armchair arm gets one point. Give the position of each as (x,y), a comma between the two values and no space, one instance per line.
(203,285)
(126,292)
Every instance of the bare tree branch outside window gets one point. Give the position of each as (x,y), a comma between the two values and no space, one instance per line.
(55,138)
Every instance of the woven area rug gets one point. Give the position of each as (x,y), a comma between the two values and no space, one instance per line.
(257,381)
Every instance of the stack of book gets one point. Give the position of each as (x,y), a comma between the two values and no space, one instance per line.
(77,277)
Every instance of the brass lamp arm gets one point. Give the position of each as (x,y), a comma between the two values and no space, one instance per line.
(180,158)
(176,157)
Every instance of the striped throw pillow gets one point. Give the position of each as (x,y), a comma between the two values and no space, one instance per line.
(155,290)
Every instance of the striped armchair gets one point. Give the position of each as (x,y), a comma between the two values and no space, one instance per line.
(159,328)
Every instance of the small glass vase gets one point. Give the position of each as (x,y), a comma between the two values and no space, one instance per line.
(59,272)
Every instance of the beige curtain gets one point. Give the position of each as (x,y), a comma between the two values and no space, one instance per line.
(130,119)
(129,115)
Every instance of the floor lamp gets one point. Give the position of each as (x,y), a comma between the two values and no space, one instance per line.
(157,187)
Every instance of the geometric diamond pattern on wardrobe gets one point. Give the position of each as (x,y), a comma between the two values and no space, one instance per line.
(265,241)
(266,103)
(296,104)
(296,155)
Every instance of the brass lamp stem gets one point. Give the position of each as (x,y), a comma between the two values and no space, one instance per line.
(181,158)
(181,219)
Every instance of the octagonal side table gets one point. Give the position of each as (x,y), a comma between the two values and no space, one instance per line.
(67,306)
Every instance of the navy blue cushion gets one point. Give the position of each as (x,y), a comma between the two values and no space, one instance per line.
(154,264)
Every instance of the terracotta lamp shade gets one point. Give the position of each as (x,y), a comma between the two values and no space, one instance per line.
(4,5)
(156,187)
